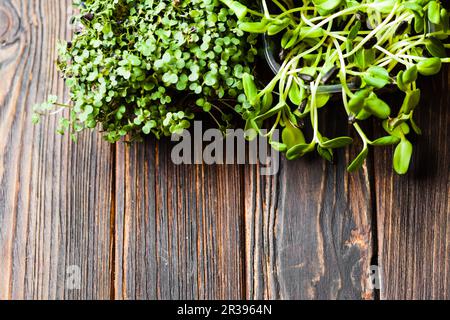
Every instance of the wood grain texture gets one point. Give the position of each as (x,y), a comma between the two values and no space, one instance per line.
(139,227)
(178,228)
(55,196)
(308,231)
(414,210)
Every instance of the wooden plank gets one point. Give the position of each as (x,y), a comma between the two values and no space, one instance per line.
(414,210)
(55,196)
(178,228)
(309,230)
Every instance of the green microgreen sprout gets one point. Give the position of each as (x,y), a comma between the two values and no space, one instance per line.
(359,47)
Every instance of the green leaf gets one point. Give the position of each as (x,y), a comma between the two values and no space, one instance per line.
(148,127)
(386,141)
(400,84)
(292,136)
(251,130)
(106,28)
(364,58)
(354,30)
(356,103)
(290,38)
(295,94)
(238,8)
(250,89)
(278,26)
(322,99)
(410,75)
(299,151)
(434,12)
(419,23)
(377,77)
(35,118)
(363,115)
(385,6)
(267,101)
(326,6)
(210,79)
(337,142)
(411,101)
(52,99)
(413,6)
(377,107)
(400,131)
(311,33)
(280,147)
(359,161)
(402,156)
(415,127)
(430,66)
(435,47)
(445,20)
(327,154)
(280,106)
(254,27)
(134,60)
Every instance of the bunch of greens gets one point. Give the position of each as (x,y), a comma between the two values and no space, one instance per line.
(146,66)
(358,47)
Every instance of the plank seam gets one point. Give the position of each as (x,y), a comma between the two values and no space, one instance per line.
(243,249)
(374,260)
(112,224)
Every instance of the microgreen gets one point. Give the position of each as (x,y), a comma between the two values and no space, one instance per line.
(360,47)
(145,66)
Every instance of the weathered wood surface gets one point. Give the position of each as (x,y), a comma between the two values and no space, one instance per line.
(55,196)
(178,228)
(414,211)
(140,227)
(308,231)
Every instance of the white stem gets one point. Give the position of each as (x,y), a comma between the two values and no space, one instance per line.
(373,33)
(392,56)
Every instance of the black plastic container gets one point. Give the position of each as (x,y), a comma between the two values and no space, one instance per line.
(272,49)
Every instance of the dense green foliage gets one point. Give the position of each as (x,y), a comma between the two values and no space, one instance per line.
(145,66)
(358,47)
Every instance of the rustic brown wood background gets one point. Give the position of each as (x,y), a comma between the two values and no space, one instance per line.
(140,227)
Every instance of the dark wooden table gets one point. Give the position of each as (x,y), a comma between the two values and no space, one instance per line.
(136,226)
